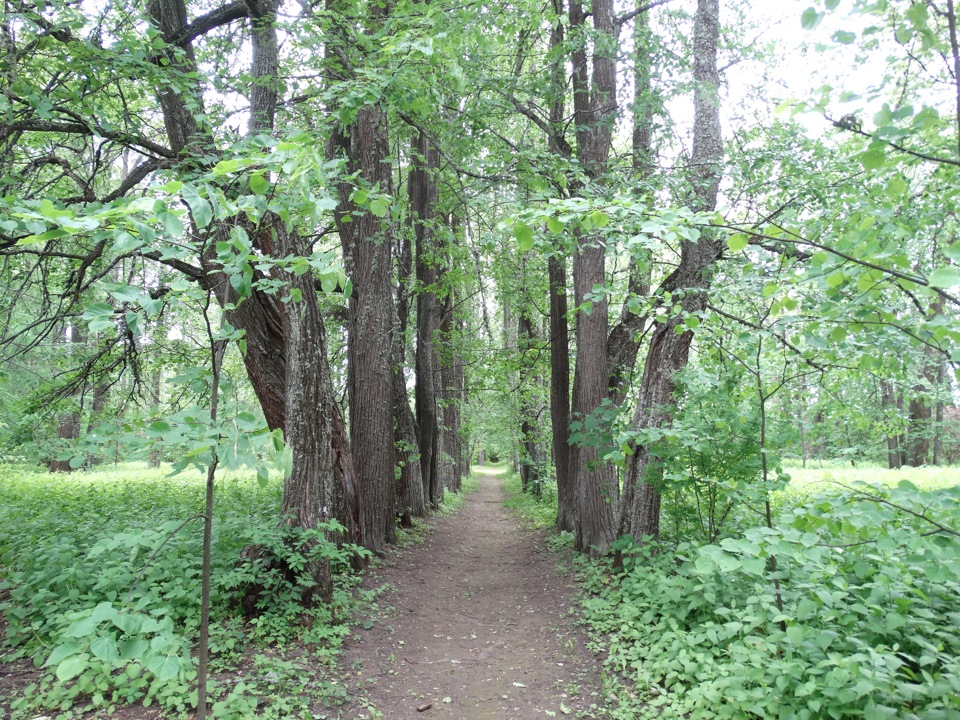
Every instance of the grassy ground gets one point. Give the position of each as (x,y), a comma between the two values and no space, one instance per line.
(815,478)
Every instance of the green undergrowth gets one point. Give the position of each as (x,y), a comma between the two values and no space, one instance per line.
(534,513)
(859,618)
(101,585)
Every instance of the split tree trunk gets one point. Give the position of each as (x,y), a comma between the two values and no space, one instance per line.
(668,352)
(594,105)
(285,359)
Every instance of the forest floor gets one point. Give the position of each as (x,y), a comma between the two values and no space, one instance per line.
(476,624)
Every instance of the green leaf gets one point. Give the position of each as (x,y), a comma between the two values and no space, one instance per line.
(380,206)
(953,251)
(810,18)
(106,649)
(61,652)
(172,225)
(133,648)
(737,242)
(524,235)
(259,184)
(944,277)
(226,166)
(125,242)
(555,225)
(165,668)
(200,208)
(599,218)
(896,188)
(903,34)
(844,37)
(158,428)
(82,628)
(795,634)
(359,197)
(72,666)
(873,159)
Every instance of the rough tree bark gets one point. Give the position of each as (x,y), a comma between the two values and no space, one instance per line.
(451,398)
(669,351)
(305,409)
(624,340)
(410,502)
(594,106)
(366,244)
(560,395)
(423,195)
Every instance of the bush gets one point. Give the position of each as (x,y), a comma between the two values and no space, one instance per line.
(101,581)
(869,581)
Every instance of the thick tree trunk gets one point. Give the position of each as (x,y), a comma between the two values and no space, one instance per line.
(669,351)
(308,497)
(594,105)
(623,344)
(285,358)
(410,501)
(423,199)
(452,393)
(366,245)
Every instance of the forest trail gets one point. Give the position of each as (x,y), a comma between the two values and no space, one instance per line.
(476,625)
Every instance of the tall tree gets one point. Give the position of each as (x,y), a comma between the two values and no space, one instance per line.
(669,349)
(366,236)
(594,113)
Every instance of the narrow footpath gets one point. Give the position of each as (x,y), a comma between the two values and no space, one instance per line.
(476,625)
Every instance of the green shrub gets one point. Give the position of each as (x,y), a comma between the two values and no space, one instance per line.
(101,582)
(869,581)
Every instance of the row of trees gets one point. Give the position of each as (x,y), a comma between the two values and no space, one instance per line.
(494,212)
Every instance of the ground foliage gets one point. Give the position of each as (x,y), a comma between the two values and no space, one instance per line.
(101,589)
(869,580)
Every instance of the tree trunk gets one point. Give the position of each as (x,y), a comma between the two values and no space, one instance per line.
(560,396)
(423,199)
(366,245)
(308,495)
(409,493)
(888,401)
(594,105)
(451,393)
(285,358)
(623,343)
(410,502)
(669,351)
(68,423)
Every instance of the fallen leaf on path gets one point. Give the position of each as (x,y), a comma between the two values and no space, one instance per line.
(424,708)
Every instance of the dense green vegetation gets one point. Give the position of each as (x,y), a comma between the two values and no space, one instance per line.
(101,588)
(858,617)
(651,255)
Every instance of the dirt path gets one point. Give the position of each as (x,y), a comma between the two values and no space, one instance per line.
(477,626)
